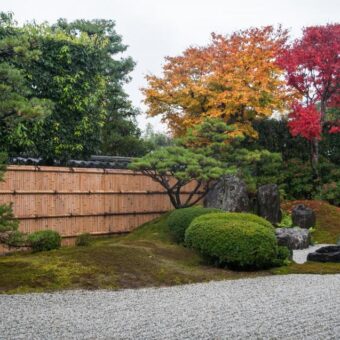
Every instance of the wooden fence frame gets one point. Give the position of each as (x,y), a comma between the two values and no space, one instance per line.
(98,201)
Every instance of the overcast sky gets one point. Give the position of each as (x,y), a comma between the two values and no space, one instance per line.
(154,29)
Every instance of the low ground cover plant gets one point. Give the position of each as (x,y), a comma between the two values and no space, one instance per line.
(180,219)
(83,240)
(44,240)
(286,221)
(237,243)
(284,256)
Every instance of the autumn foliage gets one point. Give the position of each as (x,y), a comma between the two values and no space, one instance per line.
(305,121)
(234,78)
(312,65)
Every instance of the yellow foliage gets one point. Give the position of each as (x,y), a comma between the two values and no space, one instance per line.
(234,78)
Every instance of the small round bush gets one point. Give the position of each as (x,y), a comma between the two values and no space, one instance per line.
(236,243)
(44,240)
(235,216)
(180,219)
(83,240)
(284,256)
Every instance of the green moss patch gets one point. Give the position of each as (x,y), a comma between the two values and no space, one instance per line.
(309,268)
(147,257)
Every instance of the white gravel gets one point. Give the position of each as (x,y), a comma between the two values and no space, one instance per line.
(275,307)
(300,256)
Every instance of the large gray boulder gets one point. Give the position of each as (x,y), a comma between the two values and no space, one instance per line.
(303,217)
(229,194)
(293,238)
(268,203)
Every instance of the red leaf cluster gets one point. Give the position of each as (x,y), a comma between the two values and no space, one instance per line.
(312,66)
(305,122)
(334,129)
(312,63)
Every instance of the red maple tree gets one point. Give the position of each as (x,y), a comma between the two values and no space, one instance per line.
(312,66)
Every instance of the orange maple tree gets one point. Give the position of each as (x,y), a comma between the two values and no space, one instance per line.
(234,78)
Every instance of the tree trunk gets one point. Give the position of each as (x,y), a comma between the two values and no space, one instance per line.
(315,157)
(315,145)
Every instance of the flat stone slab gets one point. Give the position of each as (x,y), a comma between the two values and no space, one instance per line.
(325,254)
(273,307)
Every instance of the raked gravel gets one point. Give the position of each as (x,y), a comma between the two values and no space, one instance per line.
(275,307)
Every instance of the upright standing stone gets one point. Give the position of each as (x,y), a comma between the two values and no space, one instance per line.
(303,217)
(268,202)
(229,194)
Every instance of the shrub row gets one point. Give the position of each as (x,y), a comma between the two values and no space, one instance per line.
(45,240)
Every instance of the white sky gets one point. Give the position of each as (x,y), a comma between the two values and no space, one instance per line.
(154,29)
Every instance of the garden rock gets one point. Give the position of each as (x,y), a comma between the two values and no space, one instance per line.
(303,217)
(268,202)
(325,254)
(229,194)
(293,238)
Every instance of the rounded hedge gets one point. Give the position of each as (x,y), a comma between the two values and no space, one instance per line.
(180,219)
(248,217)
(44,240)
(236,243)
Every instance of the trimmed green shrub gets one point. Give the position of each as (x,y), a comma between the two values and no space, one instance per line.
(235,216)
(284,256)
(83,240)
(44,240)
(180,219)
(236,243)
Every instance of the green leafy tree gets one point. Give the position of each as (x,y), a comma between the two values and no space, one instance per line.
(78,72)
(175,167)
(79,68)
(122,137)
(18,103)
(295,176)
(9,233)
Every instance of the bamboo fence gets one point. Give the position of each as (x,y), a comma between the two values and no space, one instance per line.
(77,200)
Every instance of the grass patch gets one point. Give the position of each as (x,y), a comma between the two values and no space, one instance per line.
(144,258)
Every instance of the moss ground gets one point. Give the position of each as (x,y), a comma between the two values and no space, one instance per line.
(147,257)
